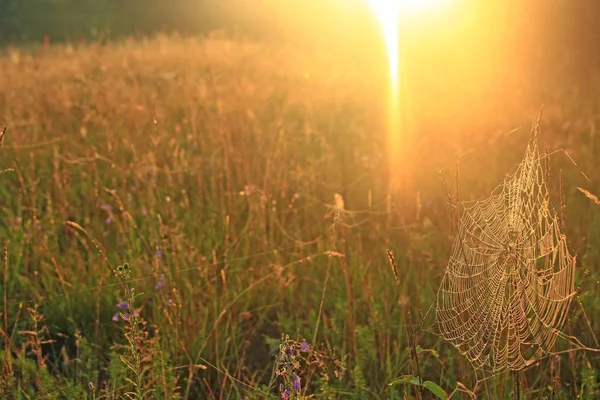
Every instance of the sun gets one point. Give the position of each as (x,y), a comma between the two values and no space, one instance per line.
(389,13)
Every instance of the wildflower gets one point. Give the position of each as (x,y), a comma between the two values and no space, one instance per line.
(296,196)
(296,382)
(123,304)
(106,207)
(115,317)
(158,253)
(291,351)
(249,189)
(304,346)
(134,313)
(144,211)
(161,283)
(108,220)
(285,394)
(19,220)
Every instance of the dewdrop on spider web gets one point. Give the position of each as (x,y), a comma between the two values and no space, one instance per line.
(510,279)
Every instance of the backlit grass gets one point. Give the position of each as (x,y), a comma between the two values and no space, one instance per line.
(211,167)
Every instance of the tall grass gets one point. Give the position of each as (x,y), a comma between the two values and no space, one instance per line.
(247,189)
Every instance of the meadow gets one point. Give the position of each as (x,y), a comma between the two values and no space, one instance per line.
(208,218)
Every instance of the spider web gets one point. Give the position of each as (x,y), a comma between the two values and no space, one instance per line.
(510,279)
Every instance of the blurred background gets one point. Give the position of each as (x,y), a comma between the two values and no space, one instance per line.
(528,35)
(252,131)
(470,71)
(470,53)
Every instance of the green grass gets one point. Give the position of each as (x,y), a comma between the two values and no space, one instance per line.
(210,167)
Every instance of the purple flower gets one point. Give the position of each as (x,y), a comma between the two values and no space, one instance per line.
(158,253)
(19,220)
(123,304)
(285,394)
(115,317)
(296,382)
(291,350)
(134,313)
(106,207)
(107,220)
(161,283)
(304,346)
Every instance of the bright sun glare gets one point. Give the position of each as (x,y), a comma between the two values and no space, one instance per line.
(389,14)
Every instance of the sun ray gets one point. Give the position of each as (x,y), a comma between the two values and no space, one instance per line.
(388,14)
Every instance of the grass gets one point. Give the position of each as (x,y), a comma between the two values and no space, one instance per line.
(209,218)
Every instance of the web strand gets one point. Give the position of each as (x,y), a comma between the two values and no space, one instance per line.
(510,279)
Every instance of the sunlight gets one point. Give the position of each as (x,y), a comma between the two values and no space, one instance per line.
(388,14)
